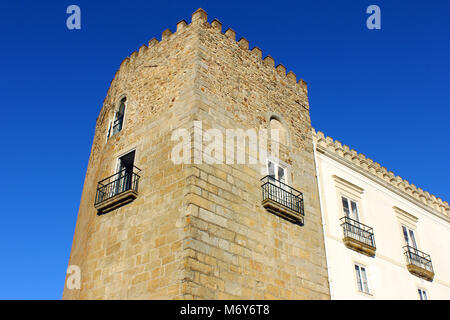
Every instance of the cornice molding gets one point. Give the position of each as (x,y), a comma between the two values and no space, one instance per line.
(406,217)
(342,182)
(373,170)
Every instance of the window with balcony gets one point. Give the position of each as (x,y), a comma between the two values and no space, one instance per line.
(417,262)
(280,198)
(120,188)
(361,279)
(357,236)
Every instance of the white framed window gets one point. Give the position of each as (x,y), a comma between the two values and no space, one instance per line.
(361,278)
(350,208)
(422,294)
(410,238)
(277,171)
(349,198)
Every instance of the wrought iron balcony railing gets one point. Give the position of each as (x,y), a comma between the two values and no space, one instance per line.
(419,262)
(358,231)
(282,199)
(125,182)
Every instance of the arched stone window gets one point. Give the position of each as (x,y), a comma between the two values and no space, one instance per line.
(278,131)
(117,124)
(278,135)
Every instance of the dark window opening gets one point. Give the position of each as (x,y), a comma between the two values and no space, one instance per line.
(125,171)
(117,124)
(121,187)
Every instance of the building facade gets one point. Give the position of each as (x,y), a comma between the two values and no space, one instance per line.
(163,215)
(149,227)
(385,238)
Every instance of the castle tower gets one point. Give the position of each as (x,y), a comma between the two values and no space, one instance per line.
(149,228)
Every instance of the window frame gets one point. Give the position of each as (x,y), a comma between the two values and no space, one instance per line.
(110,131)
(351,191)
(350,200)
(361,285)
(423,294)
(278,164)
(277,167)
(117,162)
(410,231)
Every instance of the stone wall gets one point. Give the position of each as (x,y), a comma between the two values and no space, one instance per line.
(237,248)
(198,231)
(135,252)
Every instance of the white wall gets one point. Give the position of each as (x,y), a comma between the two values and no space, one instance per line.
(388,276)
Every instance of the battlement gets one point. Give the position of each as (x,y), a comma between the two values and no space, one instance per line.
(360,161)
(200,17)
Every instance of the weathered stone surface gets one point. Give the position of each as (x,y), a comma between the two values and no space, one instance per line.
(199,231)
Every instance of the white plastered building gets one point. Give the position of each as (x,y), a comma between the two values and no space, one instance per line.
(385,238)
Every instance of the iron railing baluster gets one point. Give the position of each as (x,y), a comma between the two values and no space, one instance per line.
(418,258)
(282,194)
(117,184)
(358,231)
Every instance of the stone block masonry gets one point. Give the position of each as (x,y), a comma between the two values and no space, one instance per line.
(198,231)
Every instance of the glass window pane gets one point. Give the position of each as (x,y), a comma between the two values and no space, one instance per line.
(413,239)
(358,278)
(121,111)
(355,215)
(364,280)
(405,235)
(271,169)
(118,117)
(345,206)
(281,174)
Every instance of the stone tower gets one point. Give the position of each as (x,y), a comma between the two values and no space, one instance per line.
(198,230)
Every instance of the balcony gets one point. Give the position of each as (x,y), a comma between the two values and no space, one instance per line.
(282,200)
(117,190)
(419,263)
(358,236)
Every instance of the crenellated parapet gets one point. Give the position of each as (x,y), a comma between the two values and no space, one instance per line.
(138,58)
(200,17)
(330,146)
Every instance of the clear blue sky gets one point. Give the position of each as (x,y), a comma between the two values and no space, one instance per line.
(384,93)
